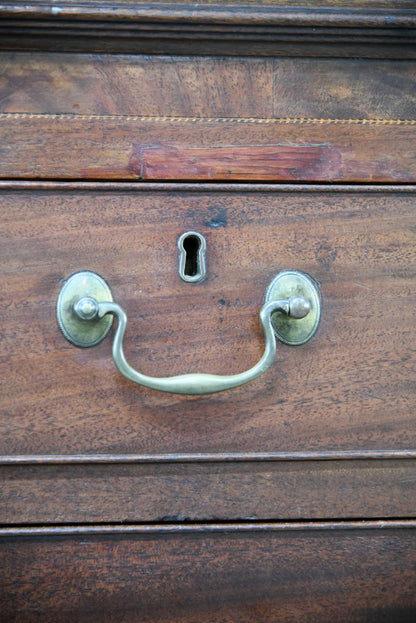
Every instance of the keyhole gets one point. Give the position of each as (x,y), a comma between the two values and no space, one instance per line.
(192,247)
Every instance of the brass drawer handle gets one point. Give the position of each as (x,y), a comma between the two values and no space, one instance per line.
(291,311)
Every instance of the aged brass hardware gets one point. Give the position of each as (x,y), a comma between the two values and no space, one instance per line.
(293,284)
(292,311)
(192,266)
(73,309)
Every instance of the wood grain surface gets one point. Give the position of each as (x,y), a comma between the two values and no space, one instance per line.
(207,119)
(351,388)
(92,5)
(322,575)
(209,86)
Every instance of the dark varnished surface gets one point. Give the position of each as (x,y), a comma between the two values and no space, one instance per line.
(208,575)
(351,388)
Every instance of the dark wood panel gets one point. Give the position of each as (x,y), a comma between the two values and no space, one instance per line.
(213,149)
(384,30)
(207,491)
(213,575)
(207,86)
(350,388)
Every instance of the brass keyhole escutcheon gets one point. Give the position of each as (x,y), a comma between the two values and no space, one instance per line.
(192,265)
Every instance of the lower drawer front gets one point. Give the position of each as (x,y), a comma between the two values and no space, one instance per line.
(195,490)
(316,573)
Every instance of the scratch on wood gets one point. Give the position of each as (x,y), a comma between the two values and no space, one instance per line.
(362,285)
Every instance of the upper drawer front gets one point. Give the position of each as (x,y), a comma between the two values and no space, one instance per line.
(207,119)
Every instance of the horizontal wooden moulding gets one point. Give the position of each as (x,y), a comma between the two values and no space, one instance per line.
(256,28)
(206,457)
(206,187)
(205,528)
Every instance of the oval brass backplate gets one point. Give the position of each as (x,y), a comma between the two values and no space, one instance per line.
(290,283)
(80,332)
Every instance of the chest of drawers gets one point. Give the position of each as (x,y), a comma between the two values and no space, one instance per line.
(282,138)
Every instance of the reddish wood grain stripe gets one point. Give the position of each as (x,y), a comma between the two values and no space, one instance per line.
(254,162)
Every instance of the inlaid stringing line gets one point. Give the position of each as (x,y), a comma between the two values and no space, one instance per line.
(242,120)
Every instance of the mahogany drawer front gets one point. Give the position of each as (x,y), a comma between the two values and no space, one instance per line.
(349,388)
(340,406)
(310,573)
(143,148)
(207,86)
(263,503)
